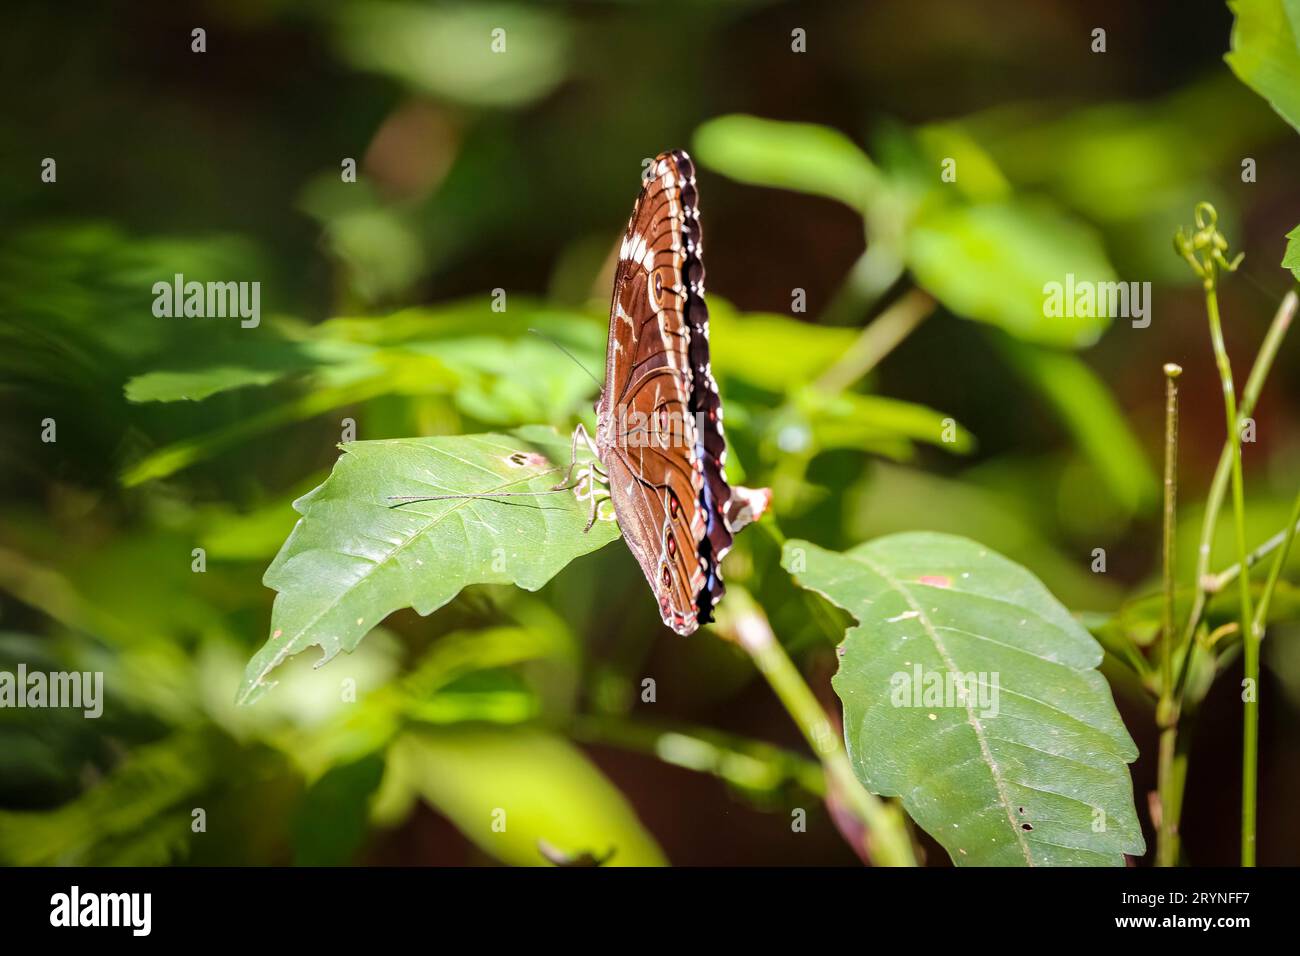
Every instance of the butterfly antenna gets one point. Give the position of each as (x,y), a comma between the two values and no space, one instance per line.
(484,494)
(574,358)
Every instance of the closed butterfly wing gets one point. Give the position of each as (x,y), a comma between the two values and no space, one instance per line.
(659,420)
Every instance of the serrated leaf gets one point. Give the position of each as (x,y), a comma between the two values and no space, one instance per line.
(355,557)
(1265,52)
(1291,259)
(1029,767)
(801,156)
(991,262)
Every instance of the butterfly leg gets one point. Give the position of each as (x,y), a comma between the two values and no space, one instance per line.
(578,433)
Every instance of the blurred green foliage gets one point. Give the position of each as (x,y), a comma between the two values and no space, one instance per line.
(480,171)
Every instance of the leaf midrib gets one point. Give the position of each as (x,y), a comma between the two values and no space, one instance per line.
(987,755)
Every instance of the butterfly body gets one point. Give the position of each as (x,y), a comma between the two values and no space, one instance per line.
(659,430)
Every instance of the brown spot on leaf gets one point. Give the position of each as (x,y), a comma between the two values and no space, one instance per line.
(523,459)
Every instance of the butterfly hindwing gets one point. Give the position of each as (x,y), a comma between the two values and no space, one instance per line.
(659,420)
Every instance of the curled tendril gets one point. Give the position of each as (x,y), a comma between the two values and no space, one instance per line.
(1206,249)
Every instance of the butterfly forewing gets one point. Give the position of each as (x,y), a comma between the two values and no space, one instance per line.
(659,428)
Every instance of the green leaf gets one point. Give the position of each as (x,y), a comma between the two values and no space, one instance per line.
(992,262)
(533,785)
(355,557)
(448,50)
(854,420)
(1027,769)
(1265,53)
(333,820)
(770,351)
(1291,259)
(1096,421)
(239,365)
(801,156)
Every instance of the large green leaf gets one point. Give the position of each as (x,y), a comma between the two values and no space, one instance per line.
(1266,52)
(1026,768)
(515,791)
(801,156)
(355,557)
(993,261)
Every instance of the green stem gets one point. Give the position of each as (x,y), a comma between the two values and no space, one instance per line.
(744,763)
(888,841)
(1166,712)
(881,336)
(1250,640)
(1218,487)
(876,270)
(1217,582)
(1275,571)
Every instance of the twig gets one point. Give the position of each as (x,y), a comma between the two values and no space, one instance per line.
(1166,712)
(888,842)
(1274,572)
(1215,583)
(878,339)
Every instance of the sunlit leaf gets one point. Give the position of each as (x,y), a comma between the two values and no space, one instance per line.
(448,49)
(852,420)
(770,351)
(801,156)
(1023,765)
(508,789)
(244,363)
(993,262)
(975,172)
(355,556)
(1265,52)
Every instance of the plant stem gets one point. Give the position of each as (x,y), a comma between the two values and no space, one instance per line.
(878,339)
(741,762)
(1250,640)
(1218,487)
(1215,583)
(1275,572)
(876,270)
(1166,712)
(888,842)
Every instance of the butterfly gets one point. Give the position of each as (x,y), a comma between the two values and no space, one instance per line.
(659,443)
(659,448)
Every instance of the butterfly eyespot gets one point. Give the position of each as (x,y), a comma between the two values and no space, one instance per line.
(673,507)
(672,547)
(666,576)
(659,286)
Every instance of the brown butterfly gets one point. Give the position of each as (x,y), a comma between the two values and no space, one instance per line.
(659,445)
(659,437)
